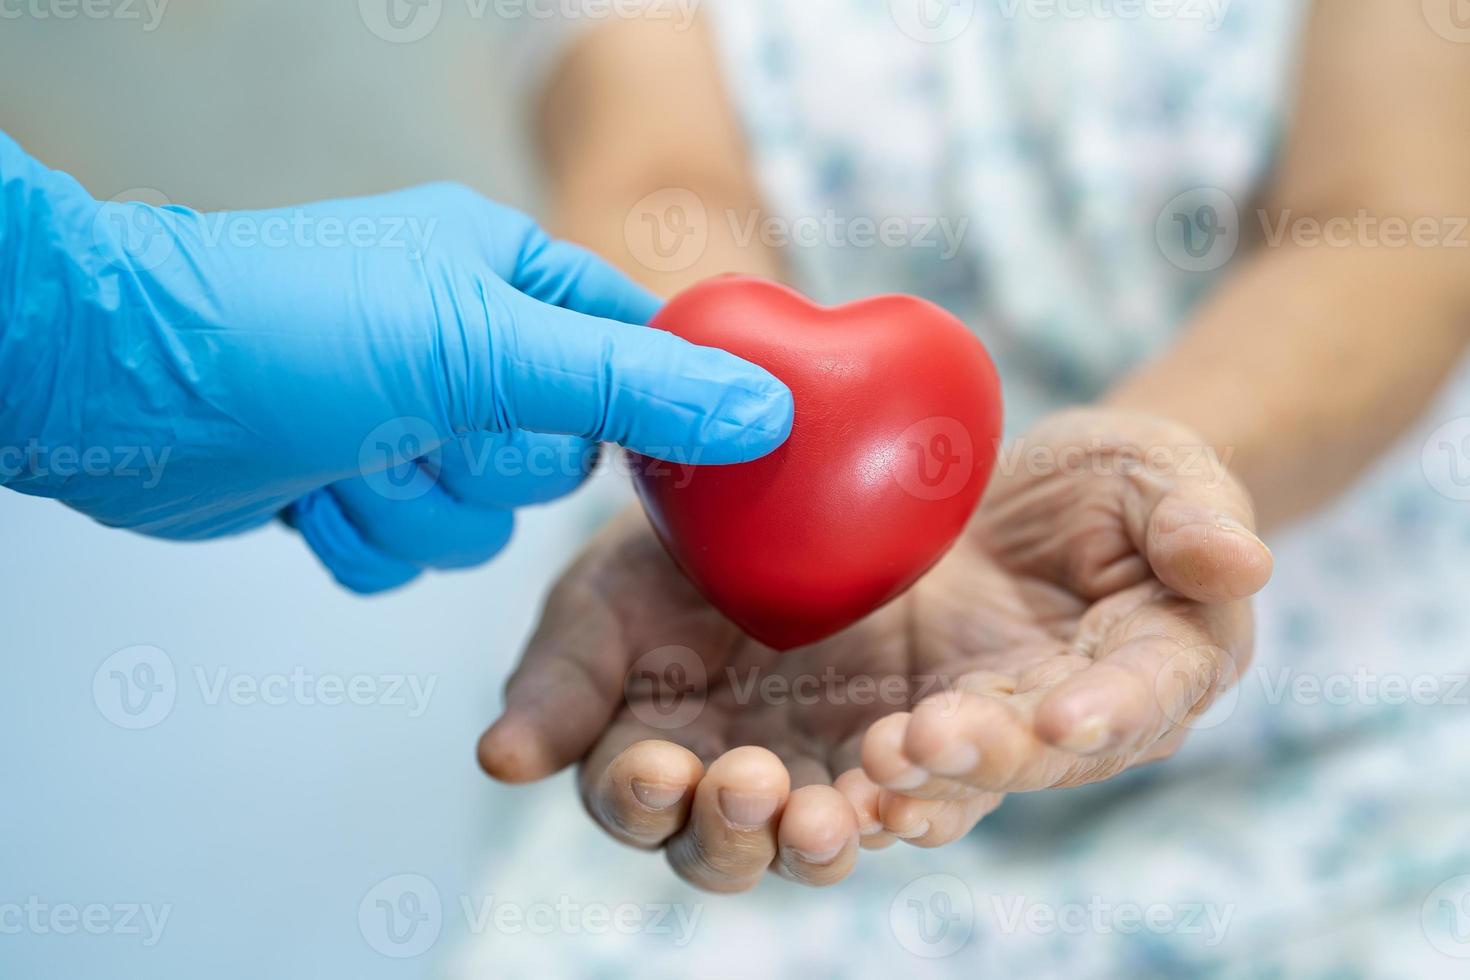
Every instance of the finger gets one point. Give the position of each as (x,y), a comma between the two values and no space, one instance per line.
(977,741)
(887,763)
(731,837)
(862,794)
(565,689)
(429,529)
(818,836)
(642,795)
(336,541)
(558,371)
(506,470)
(521,253)
(1196,527)
(1168,664)
(574,278)
(932,823)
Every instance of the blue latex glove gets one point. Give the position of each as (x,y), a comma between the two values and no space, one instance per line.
(393,374)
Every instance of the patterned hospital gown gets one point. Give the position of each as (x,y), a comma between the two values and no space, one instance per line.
(1083,162)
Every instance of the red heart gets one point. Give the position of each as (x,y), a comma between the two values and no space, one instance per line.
(898,416)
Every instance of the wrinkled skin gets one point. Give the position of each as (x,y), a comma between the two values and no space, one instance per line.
(1096,605)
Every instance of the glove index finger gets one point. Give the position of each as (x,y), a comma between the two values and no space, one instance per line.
(569,276)
(567,373)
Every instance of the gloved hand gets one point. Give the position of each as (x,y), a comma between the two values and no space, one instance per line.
(393,374)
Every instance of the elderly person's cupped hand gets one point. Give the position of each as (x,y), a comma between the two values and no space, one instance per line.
(1096,606)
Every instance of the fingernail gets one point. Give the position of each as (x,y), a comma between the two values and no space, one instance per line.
(868,830)
(957,759)
(917,830)
(657,796)
(744,811)
(1087,736)
(818,857)
(1232,526)
(767,408)
(911,778)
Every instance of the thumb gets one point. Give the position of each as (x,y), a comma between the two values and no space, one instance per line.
(1196,527)
(563,372)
